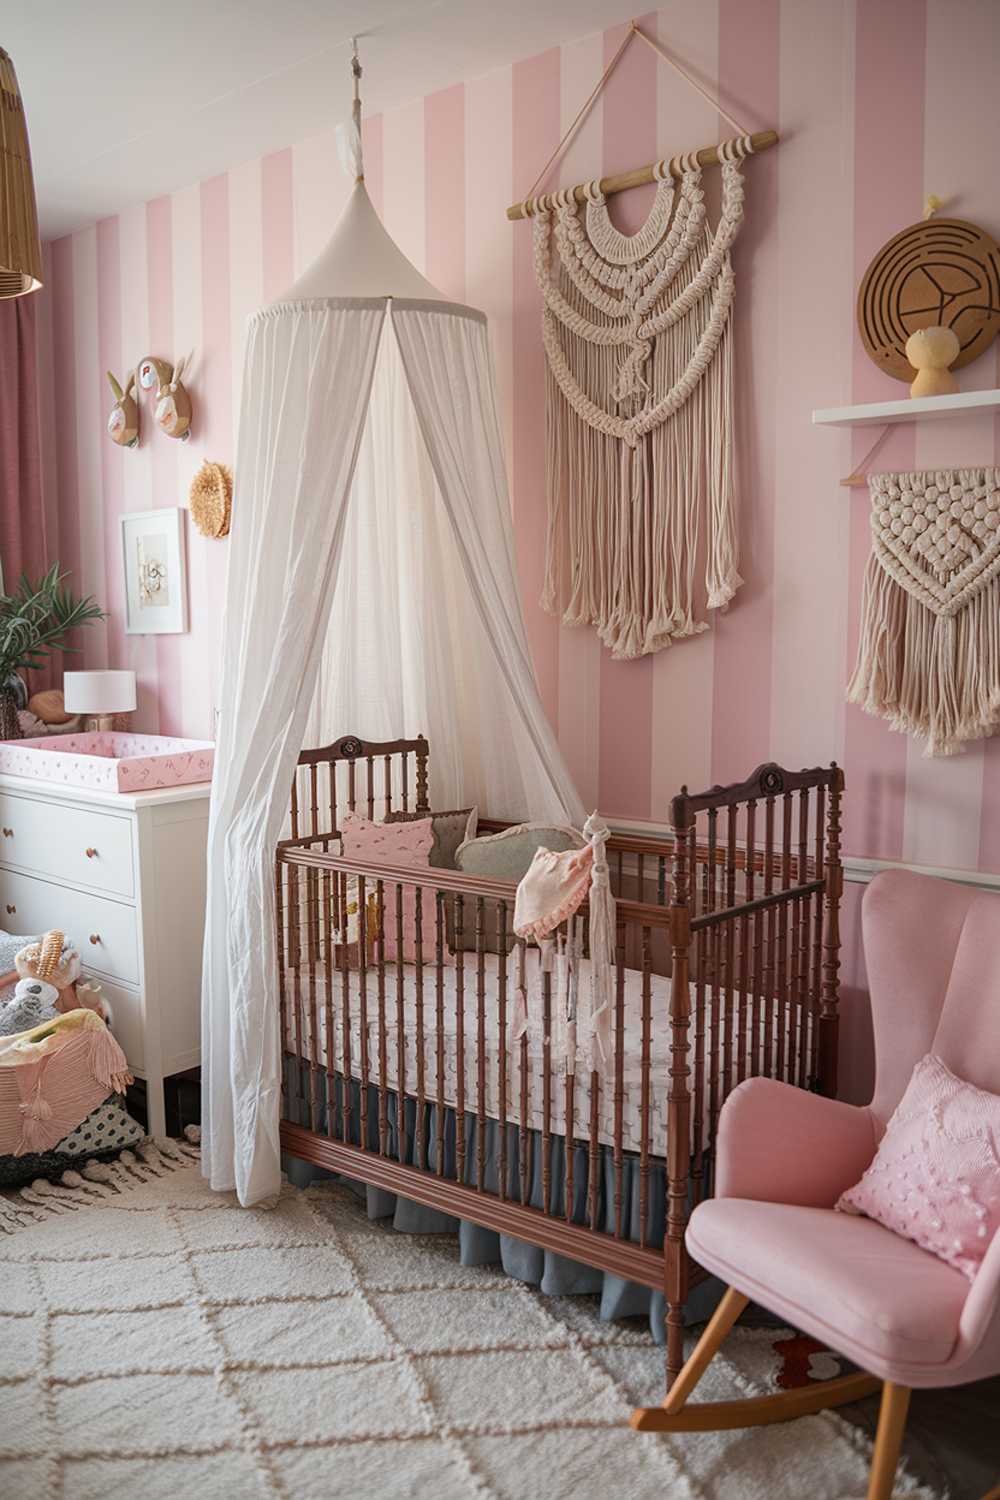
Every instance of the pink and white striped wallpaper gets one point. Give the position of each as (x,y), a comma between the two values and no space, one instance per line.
(878,103)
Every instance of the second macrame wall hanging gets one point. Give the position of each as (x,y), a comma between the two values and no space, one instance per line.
(637,330)
(929,652)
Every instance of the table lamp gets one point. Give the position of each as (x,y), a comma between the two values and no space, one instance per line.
(100,695)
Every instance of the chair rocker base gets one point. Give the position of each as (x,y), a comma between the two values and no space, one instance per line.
(675,1415)
(756,1411)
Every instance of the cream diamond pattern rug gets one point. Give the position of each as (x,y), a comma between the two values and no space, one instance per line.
(158,1341)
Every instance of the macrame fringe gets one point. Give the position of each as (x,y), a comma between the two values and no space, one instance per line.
(641,534)
(97,1182)
(932,673)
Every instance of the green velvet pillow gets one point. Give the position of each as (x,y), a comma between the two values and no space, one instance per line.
(503,856)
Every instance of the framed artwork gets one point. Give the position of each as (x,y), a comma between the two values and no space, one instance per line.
(153,556)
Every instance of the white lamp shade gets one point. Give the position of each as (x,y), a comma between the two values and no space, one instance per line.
(99,692)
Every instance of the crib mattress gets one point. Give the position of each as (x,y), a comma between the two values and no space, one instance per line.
(304,1001)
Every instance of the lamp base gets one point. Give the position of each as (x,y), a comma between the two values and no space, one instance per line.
(104,723)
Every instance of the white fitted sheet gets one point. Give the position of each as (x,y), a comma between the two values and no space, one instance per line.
(301,1001)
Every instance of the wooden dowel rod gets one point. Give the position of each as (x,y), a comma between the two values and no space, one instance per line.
(708,156)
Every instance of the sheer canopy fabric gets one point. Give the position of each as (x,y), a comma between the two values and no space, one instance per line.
(372,590)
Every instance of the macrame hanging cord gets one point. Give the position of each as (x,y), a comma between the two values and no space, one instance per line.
(637,332)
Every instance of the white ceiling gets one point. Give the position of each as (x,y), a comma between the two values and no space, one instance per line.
(125,102)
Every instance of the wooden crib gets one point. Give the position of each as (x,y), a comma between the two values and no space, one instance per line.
(405,1074)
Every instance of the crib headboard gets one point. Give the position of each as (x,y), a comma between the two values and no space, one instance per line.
(372,777)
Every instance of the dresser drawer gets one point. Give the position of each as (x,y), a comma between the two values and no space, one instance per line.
(105,931)
(126,1008)
(82,846)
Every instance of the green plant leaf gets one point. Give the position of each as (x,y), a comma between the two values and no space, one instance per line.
(37,617)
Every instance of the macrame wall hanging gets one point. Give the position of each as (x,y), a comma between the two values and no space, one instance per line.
(637,332)
(929,653)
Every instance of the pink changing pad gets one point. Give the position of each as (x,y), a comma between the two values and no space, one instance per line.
(109,762)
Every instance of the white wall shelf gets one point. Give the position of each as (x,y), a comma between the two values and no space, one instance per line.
(923,408)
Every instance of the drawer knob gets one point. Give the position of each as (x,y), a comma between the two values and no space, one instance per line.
(90,853)
(95,937)
(11,910)
(8,833)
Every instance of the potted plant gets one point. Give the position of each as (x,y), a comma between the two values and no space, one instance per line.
(35,621)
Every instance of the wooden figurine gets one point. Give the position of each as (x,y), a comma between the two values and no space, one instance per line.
(931,351)
(123,423)
(173,406)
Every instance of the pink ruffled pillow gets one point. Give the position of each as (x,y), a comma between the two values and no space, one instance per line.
(397,844)
(936,1175)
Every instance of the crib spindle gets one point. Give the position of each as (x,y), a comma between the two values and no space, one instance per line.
(645,1065)
(312,932)
(522,1124)
(279,913)
(459,1028)
(769,939)
(502,1029)
(480,1046)
(439,918)
(802,943)
(714,960)
(730,1013)
(421,1060)
(326,1059)
(400,1032)
(383,1036)
(619,1096)
(345,996)
(546,1093)
(363,1006)
(817,934)
(698,1092)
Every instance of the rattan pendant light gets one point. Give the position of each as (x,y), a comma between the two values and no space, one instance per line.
(20,249)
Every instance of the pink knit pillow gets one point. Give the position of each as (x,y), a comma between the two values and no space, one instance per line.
(396,844)
(936,1175)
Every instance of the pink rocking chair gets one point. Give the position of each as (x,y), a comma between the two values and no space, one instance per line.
(785,1156)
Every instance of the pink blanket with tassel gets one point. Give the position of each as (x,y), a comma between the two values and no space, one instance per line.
(52,1077)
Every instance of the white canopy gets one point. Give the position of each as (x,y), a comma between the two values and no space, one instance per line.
(372,590)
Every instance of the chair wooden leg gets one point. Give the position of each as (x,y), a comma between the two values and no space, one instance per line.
(718,1325)
(888,1440)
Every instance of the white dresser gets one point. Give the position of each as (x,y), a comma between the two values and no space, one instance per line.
(124,877)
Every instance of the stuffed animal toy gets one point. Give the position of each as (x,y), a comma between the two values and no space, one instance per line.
(48,971)
(34,1001)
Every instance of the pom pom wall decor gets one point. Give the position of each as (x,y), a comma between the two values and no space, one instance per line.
(210,499)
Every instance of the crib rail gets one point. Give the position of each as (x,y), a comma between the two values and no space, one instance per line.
(429,1051)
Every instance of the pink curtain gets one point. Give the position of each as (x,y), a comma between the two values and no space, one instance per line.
(23,542)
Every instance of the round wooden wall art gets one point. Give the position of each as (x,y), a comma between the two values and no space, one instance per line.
(938,271)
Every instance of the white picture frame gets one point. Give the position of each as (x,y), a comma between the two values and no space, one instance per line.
(154,562)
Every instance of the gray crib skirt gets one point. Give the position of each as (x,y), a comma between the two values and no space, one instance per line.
(551,1273)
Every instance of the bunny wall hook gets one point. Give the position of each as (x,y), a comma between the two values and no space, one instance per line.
(123,423)
(173,406)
